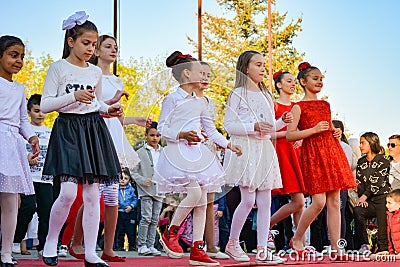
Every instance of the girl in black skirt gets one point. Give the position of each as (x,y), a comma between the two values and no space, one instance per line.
(80,148)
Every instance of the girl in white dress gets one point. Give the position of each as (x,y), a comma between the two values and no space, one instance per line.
(250,120)
(186,165)
(15,175)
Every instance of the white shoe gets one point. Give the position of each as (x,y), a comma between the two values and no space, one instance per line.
(16,248)
(63,251)
(219,255)
(271,235)
(266,256)
(144,251)
(234,250)
(154,251)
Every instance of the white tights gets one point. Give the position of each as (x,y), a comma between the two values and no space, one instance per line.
(195,199)
(9,212)
(248,199)
(90,218)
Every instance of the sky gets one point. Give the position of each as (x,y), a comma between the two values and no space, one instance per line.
(355,43)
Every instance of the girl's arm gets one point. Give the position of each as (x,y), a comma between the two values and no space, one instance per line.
(165,128)
(209,127)
(378,179)
(293,134)
(51,101)
(232,122)
(25,128)
(140,121)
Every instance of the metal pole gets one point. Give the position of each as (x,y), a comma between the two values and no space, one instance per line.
(270,75)
(199,29)
(115,31)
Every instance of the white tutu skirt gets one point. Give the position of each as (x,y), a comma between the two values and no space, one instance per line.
(179,164)
(125,152)
(15,176)
(257,167)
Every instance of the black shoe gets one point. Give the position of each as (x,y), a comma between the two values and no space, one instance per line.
(7,264)
(51,261)
(99,264)
(14,260)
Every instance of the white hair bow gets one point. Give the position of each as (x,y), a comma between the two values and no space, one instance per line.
(78,18)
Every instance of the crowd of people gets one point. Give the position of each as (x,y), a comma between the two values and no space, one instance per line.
(284,165)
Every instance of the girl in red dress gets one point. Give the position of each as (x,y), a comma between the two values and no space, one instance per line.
(323,163)
(292,179)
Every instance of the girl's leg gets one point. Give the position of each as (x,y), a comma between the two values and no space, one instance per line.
(199,217)
(294,207)
(110,218)
(242,211)
(307,217)
(90,220)
(263,200)
(58,215)
(333,213)
(193,196)
(9,210)
(209,233)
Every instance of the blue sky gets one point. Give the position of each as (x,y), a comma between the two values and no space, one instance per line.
(354,42)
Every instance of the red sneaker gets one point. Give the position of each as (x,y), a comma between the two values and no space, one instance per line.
(170,243)
(199,257)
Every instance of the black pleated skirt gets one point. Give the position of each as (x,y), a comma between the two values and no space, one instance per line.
(81,146)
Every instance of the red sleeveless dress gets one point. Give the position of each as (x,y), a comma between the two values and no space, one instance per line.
(323,163)
(292,179)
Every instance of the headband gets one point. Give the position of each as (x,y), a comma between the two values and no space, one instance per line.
(304,66)
(184,56)
(78,18)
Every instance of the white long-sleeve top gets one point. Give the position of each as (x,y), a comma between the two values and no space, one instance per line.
(182,112)
(63,79)
(13,110)
(245,108)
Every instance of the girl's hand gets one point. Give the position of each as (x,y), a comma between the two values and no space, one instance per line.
(33,161)
(337,133)
(321,126)
(287,117)
(218,214)
(169,208)
(143,121)
(119,94)
(362,201)
(190,136)
(84,96)
(297,144)
(34,141)
(263,127)
(235,149)
(115,110)
(203,133)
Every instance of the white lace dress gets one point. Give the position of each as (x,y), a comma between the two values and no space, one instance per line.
(258,167)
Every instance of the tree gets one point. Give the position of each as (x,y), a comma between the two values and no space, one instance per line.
(224,39)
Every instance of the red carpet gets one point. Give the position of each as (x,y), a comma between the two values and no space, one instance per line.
(164,261)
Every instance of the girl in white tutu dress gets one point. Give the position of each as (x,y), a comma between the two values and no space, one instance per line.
(186,165)
(14,169)
(250,120)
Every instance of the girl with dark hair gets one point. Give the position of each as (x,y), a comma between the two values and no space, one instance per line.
(80,149)
(373,186)
(15,176)
(250,122)
(292,179)
(323,163)
(186,165)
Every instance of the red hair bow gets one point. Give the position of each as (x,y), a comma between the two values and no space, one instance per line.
(304,66)
(184,56)
(276,74)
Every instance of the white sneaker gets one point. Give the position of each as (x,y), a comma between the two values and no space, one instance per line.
(144,251)
(219,255)
(63,251)
(265,256)
(16,248)
(271,242)
(154,251)
(234,250)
